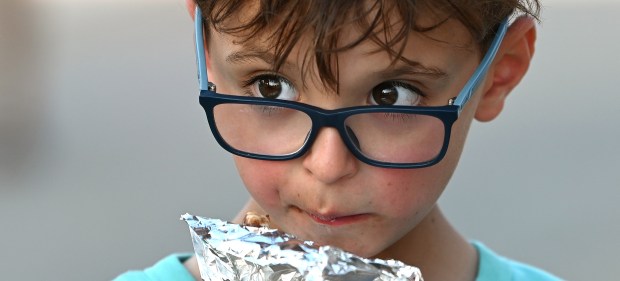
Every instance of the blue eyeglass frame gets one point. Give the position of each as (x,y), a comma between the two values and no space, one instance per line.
(209,98)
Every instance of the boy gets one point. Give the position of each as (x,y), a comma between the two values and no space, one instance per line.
(347,119)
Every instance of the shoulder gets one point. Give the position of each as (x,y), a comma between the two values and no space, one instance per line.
(492,266)
(169,268)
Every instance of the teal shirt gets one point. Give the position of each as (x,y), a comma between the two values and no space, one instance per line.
(170,268)
(491,267)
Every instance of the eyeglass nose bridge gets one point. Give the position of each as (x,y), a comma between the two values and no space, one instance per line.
(335,120)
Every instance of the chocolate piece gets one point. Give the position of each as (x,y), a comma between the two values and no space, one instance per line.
(256,220)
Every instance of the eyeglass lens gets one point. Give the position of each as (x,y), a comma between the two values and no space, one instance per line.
(279,131)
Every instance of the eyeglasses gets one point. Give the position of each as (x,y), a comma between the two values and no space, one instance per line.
(382,136)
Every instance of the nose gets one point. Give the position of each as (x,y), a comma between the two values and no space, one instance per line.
(329,159)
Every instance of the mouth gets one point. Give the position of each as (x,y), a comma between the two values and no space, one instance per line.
(335,219)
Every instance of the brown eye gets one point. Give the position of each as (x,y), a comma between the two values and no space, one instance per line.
(269,88)
(394,93)
(272,87)
(385,94)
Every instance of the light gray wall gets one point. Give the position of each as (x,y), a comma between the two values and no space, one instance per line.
(103,144)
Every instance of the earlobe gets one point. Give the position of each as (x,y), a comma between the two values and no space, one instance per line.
(510,66)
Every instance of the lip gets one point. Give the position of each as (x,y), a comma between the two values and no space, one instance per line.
(336,219)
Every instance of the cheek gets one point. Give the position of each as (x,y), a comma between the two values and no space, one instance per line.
(410,193)
(262,179)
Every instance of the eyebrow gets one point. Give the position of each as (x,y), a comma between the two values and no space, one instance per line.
(247,56)
(403,67)
(409,67)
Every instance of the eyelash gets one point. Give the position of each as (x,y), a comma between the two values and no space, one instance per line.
(408,86)
(402,117)
(245,84)
(423,96)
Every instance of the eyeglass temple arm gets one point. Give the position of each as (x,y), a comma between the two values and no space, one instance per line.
(482,69)
(203,79)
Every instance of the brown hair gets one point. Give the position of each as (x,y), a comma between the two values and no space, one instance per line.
(285,22)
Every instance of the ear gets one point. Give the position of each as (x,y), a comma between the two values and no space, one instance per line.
(191,6)
(511,63)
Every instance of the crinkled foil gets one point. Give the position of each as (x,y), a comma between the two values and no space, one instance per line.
(227,251)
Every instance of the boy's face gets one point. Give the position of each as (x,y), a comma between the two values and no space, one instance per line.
(327,195)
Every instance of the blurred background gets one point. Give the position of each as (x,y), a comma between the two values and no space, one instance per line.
(103,144)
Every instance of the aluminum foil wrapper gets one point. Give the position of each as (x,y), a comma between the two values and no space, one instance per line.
(228,251)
